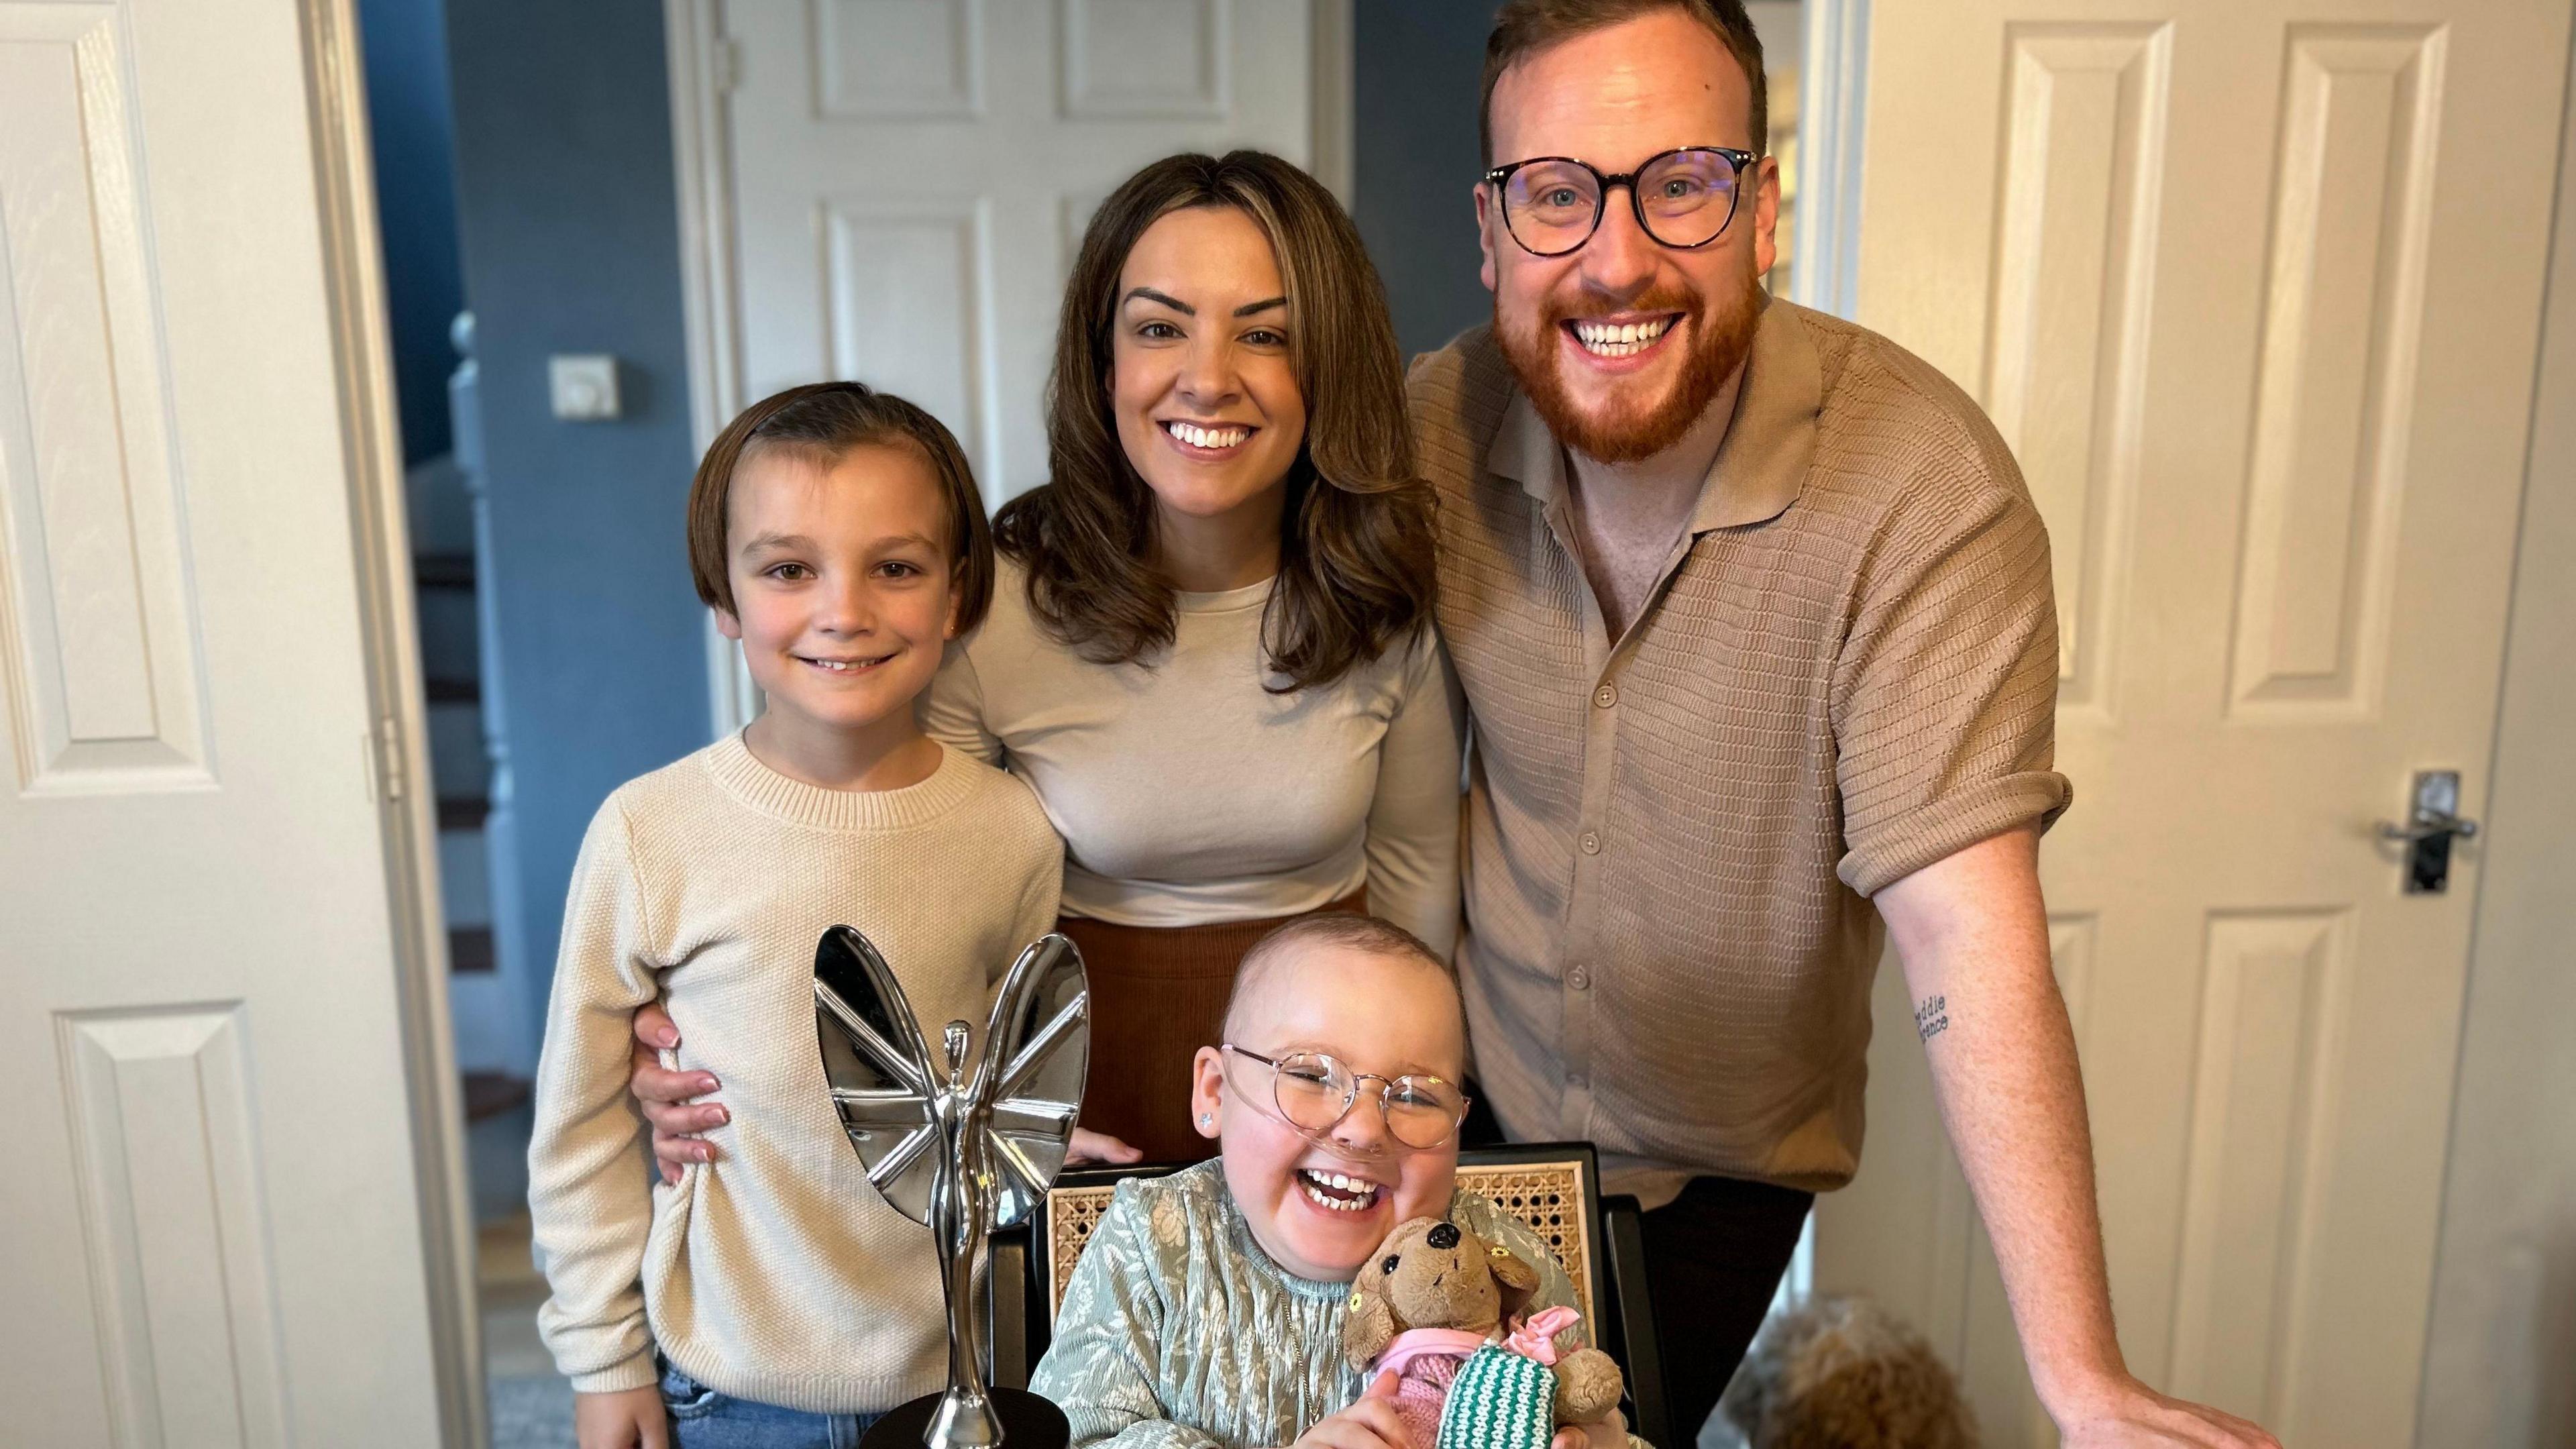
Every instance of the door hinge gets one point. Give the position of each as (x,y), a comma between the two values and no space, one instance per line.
(386,745)
(727,65)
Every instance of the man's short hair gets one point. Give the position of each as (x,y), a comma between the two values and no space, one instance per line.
(1343,929)
(1526,27)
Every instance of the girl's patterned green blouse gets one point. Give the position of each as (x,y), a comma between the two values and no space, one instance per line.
(1179,1332)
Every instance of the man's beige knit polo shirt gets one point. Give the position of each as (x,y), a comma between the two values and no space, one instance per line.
(1847,671)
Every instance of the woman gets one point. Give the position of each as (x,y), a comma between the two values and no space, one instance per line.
(1210,651)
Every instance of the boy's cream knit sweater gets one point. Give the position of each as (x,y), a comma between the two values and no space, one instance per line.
(775,1273)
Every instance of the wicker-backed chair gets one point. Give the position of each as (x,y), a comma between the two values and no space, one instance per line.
(1554,1187)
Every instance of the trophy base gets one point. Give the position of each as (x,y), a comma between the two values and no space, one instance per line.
(1028,1422)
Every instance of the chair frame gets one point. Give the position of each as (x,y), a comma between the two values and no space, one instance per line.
(1021,1294)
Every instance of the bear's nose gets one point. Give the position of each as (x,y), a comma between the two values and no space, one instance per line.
(1443,1236)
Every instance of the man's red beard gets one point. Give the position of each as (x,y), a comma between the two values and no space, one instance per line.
(1632,429)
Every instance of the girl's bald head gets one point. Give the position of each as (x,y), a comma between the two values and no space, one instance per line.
(1271,969)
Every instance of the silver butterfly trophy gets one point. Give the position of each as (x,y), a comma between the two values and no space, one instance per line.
(960,1151)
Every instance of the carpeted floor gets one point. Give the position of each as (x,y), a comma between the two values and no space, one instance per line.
(531,1413)
(531,1403)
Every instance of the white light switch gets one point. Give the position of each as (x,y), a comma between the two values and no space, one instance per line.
(584,385)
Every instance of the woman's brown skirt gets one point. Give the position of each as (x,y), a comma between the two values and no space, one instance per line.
(1157,995)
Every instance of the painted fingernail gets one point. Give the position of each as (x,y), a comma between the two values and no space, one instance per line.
(719,1117)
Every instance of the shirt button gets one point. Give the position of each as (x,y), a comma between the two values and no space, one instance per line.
(1606,696)
(1591,842)
(1575,1080)
(1578,978)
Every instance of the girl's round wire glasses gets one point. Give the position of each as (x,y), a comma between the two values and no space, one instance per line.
(1313,1091)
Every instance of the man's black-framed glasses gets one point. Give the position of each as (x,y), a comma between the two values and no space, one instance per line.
(1683,198)
(1312,1092)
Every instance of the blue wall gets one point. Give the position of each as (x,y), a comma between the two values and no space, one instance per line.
(406,62)
(571,243)
(565,207)
(1415,67)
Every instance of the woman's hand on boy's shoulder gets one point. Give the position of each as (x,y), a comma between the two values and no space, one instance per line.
(672,1100)
(627,1419)
(1371,1423)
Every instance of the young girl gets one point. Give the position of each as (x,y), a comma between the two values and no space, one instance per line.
(1207,1307)
(770,1296)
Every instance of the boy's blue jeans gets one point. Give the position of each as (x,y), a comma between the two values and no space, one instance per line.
(701,1418)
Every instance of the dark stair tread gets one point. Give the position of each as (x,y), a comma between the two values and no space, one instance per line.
(489,1094)
(463,812)
(469,948)
(442,570)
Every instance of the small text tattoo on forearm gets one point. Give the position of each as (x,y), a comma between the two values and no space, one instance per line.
(1931,1017)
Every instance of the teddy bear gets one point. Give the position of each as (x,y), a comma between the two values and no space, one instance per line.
(1442,1308)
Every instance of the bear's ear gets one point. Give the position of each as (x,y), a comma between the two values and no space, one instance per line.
(1369,1324)
(1517,1279)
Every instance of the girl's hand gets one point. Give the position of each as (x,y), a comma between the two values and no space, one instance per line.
(1089,1148)
(670,1099)
(1607,1432)
(627,1419)
(1369,1424)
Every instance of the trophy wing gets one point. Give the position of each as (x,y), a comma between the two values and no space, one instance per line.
(1035,1054)
(879,1068)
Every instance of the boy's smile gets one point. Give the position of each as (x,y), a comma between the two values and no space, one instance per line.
(843,666)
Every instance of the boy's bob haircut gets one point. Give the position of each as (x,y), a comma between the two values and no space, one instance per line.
(1369,935)
(822,422)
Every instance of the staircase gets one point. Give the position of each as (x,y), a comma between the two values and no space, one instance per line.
(492,1007)
(459,769)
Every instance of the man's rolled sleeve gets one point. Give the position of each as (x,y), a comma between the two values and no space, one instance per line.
(1945,703)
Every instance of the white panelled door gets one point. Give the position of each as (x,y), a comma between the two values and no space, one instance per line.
(910,179)
(2253,289)
(210,1228)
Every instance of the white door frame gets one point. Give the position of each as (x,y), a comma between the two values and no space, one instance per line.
(702,65)
(1833,107)
(372,441)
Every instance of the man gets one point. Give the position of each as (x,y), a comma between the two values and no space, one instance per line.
(1754,621)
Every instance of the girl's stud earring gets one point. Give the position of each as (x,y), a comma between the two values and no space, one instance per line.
(1207,1119)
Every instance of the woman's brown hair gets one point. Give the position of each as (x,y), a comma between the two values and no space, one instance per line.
(822,421)
(1355,571)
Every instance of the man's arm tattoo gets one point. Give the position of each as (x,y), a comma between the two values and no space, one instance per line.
(1931,1017)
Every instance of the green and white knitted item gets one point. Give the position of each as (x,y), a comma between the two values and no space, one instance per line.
(1499,1400)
